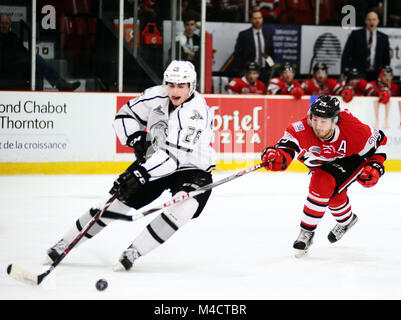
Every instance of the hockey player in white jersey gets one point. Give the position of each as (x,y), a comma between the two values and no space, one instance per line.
(170,129)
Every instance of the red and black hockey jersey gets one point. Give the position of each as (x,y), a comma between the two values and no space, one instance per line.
(278,86)
(313,88)
(241,85)
(351,137)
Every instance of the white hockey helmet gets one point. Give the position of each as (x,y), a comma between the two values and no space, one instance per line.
(181,72)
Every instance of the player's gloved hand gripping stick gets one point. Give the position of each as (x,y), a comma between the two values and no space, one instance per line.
(21,275)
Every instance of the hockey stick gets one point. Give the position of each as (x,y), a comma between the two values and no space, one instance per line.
(137,215)
(21,275)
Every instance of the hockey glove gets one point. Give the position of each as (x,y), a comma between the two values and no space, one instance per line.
(275,159)
(347,94)
(370,174)
(139,143)
(297,92)
(129,182)
(384,95)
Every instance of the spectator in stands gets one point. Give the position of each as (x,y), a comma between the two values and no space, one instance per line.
(228,10)
(188,7)
(285,83)
(254,44)
(15,64)
(394,13)
(188,42)
(269,8)
(148,12)
(249,83)
(367,49)
(320,83)
(384,88)
(353,85)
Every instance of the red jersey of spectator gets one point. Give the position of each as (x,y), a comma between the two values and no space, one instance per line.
(383,87)
(354,85)
(286,84)
(269,9)
(358,86)
(376,86)
(241,85)
(329,87)
(384,82)
(320,83)
(278,86)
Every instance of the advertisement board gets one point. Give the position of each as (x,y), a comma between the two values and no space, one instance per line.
(73,131)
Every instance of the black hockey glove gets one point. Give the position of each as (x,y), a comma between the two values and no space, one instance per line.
(140,144)
(129,182)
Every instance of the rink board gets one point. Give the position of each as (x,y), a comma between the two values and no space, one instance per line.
(72,133)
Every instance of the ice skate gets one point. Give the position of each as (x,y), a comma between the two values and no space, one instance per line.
(339,230)
(303,242)
(55,251)
(127,259)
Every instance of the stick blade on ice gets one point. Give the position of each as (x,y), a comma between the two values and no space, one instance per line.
(21,275)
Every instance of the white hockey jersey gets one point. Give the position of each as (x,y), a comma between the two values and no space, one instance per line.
(181,136)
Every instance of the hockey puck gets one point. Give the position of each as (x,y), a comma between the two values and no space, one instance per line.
(101,284)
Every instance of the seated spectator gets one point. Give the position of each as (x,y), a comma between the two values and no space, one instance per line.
(394,13)
(249,83)
(285,83)
(225,10)
(384,88)
(148,12)
(15,62)
(353,85)
(320,83)
(188,7)
(269,8)
(188,42)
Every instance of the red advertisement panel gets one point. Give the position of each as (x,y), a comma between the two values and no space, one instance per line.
(121,100)
(239,124)
(280,114)
(245,124)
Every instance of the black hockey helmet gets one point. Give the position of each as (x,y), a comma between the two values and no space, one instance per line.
(320,66)
(252,66)
(286,66)
(352,74)
(386,70)
(325,107)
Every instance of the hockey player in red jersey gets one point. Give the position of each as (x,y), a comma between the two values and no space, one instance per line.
(320,83)
(338,149)
(249,83)
(286,84)
(383,88)
(353,85)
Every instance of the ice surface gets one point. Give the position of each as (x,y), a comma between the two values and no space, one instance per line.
(239,248)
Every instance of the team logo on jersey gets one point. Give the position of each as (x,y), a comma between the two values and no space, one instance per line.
(315,149)
(328,149)
(159,110)
(159,133)
(196,116)
(298,126)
